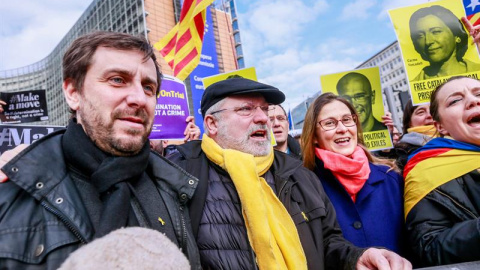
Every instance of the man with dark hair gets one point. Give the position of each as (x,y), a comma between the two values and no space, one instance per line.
(255,208)
(97,175)
(357,89)
(285,142)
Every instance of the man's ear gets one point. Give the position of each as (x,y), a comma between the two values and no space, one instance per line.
(71,94)
(211,124)
(440,128)
(165,143)
(373,97)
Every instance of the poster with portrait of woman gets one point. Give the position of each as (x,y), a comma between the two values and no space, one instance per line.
(435,45)
(362,88)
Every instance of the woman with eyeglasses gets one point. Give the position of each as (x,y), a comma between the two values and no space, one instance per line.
(366,192)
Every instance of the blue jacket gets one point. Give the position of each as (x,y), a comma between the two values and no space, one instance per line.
(376,218)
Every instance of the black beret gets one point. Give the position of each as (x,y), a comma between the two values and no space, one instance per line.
(238,86)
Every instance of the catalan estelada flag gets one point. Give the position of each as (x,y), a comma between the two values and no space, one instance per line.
(182,46)
(472,9)
(434,164)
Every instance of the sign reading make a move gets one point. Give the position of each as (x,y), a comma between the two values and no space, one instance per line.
(24,106)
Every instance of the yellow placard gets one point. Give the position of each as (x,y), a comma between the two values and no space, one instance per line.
(247,73)
(435,46)
(363,89)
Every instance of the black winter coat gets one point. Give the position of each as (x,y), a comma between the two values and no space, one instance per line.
(300,191)
(444,227)
(294,146)
(42,216)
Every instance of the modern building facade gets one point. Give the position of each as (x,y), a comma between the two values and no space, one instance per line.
(151,18)
(393,79)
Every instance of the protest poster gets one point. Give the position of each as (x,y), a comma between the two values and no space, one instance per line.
(435,46)
(171,110)
(11,135)
(362,88)
(247,73)
(24,107)
(208,66)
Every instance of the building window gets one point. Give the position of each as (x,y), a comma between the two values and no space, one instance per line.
(235,25)
(239,51)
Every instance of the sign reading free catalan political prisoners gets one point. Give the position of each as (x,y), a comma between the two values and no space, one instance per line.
(171,110)
(24,106)
(435,46)
(361,87)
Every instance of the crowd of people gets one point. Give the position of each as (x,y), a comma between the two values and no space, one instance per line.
(232,200)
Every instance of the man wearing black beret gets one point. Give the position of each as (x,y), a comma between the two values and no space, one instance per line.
(255,208)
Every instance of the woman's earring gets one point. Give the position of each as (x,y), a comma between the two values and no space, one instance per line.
(458,39)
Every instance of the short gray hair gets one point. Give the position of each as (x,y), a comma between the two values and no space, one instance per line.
(213,108)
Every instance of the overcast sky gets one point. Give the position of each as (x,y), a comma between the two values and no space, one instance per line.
(289,42)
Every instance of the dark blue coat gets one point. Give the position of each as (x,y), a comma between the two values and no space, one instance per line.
(376,218)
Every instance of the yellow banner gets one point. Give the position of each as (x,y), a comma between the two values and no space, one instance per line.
(435,45)
(362,88)
(247,73)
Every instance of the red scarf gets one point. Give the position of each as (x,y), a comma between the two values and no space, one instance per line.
(352,171)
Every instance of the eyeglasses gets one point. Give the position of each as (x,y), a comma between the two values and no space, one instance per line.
(357,97)
(279,118)
(248,109)
(348,120)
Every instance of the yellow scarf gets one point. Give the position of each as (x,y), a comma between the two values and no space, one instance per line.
(271,231)
(428,130)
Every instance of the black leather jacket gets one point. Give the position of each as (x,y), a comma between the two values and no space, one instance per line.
(302,195)
(42,216)
(444,227)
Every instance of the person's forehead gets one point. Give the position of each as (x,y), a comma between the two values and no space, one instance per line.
(459,85)
(354,86)
(126,58)
(333,109)
(424,106)
(430,21)
(278,111)
(247,98)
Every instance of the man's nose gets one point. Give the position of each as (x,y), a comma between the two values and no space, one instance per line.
(275,122)
(259,116)
(341,128)
(136,95)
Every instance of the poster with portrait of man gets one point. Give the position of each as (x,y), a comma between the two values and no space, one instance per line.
(435,45)
(361,87)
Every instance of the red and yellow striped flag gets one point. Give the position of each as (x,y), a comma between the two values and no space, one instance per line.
(182,46)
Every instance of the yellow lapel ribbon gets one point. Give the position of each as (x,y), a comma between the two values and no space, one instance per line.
(271,231)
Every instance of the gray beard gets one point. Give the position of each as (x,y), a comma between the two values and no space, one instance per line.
(244,144)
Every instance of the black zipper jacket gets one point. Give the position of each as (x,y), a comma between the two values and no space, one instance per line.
(304,198)
(444,226)
(42,216)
